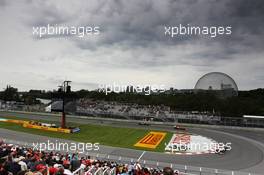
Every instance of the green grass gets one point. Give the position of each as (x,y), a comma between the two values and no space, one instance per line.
(104,135)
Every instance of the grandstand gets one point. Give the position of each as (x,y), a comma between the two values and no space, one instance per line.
(136,111)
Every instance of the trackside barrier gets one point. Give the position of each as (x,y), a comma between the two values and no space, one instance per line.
(257,125)
(184,169)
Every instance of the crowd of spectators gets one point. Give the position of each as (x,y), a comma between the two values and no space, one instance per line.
(115,108)
(91,107)
(85,106)
(16,160)
(19,106)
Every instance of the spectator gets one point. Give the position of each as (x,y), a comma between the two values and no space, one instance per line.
(25,161)
(168,171)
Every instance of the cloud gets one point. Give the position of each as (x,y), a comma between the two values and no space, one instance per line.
(141,23)
(3,3)
(132,41)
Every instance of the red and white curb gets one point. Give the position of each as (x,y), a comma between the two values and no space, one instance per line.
(211,142)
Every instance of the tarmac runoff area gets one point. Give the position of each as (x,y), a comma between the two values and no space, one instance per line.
(246,155)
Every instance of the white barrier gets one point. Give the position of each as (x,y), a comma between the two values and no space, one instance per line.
(136,121)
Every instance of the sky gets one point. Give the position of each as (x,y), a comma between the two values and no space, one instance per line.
(131,47)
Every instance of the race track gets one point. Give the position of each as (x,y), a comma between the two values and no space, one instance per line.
(246,154)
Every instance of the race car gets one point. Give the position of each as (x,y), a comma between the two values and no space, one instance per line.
(221,151)
(178,127)
(145,123)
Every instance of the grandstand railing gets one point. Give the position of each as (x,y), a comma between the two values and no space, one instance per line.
(94,171)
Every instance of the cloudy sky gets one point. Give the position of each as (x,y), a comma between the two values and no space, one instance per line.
(132,47)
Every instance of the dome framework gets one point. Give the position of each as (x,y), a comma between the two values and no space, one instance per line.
(217,81)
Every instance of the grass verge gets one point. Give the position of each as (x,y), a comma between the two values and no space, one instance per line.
(104,135)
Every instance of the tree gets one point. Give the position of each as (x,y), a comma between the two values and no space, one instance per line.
(10,94)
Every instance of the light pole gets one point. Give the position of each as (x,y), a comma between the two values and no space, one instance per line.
(65,88)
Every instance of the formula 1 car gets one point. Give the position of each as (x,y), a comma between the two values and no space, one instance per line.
(178,127)
(221,151)
(145,123)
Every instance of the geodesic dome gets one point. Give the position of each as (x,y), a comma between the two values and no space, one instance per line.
(216,81)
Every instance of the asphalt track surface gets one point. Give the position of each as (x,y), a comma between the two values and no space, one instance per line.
(246,155)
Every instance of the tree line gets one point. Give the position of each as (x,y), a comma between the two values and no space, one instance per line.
(246,103)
